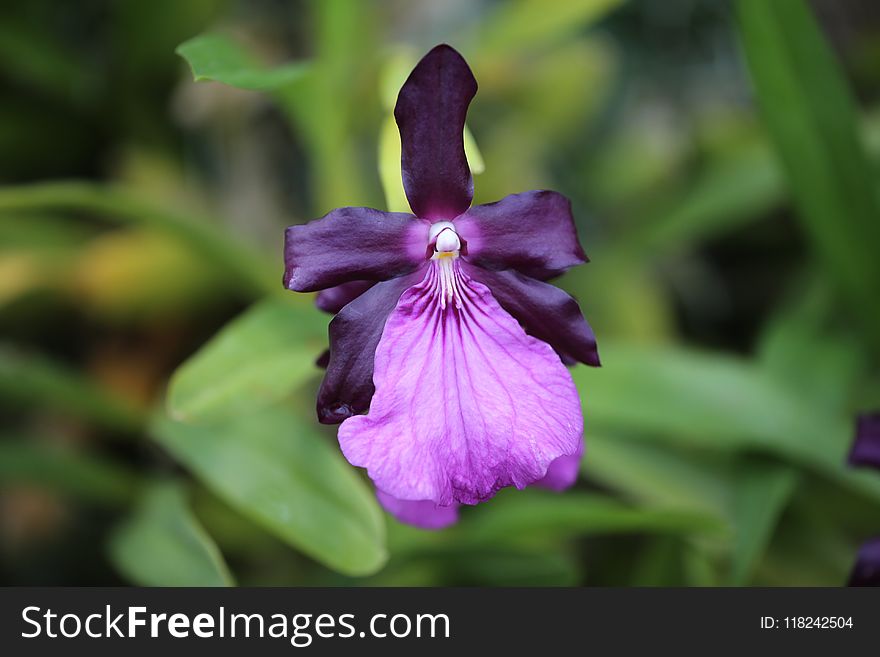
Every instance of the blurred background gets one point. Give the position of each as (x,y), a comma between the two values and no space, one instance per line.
(157,383)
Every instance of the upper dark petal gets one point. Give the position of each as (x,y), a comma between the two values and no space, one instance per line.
(545,311)
(430,113)
(866,571)
(866,447)
(351,244)
(334,299)
(354,335)
(532,232)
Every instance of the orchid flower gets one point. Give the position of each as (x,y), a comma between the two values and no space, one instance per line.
(866,452)
(448,351)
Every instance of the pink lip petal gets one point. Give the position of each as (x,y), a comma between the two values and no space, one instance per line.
(465,403)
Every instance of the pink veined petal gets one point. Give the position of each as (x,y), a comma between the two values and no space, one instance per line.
(466,402)
(420,513)
(563,472)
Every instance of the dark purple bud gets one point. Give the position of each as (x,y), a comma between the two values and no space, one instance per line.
(866,447)
(866,571)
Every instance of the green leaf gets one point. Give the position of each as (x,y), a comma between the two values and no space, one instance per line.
(660,475)
(459,565)
(50,233)
(33,54)
(741,186)
(248,271)
(259,358)
(792,349)
(218,58)
(452,564)
(537,513)
(37,381)
(716,402)
(322,97)
(339,94)
(762,493)
(798,341)
(389,166)
(162,544)
(527,23)
(87,477)
(672,561)
(474,157)
(748,495)
(510,567)
(278,470)
(809,114)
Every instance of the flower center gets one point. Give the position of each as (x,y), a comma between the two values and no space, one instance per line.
(444,239)
(447,246)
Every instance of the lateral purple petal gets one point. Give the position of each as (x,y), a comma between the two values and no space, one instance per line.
(354,334)
(544,310)
(866,447)
(866,571)
(350,244)
(563,472)
(334,299)
(465,404)
(532,232)
(421,513)
(430,113)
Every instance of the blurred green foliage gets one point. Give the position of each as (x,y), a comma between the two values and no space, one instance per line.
(157,384)
(162,544)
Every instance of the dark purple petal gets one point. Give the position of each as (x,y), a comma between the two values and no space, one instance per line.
(334,299)
(866,448)
(866,571)
(430,113)
(532,232)
(354,333)
(323,360)
(422,513)
(350,244)
(545,311)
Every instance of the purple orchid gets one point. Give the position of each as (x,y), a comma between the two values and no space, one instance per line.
(445,333)
(866,452)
